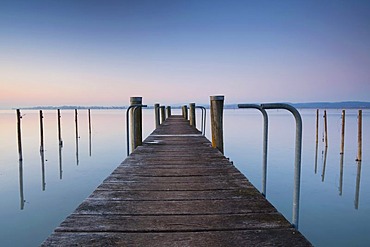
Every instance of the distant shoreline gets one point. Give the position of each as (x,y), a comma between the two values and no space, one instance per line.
(311,105)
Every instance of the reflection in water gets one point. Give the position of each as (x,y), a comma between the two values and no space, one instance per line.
(42,156)
(21,184)
(358,177)
(60,162)
(317,147)
(341,174)
(324,164)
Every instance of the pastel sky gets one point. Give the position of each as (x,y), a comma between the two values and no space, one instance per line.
(102,52)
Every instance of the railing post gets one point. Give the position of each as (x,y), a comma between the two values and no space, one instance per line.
(192,114)
(217,107)
(135,124)
(297,159)
(265,139)
(156,115)
(163,113)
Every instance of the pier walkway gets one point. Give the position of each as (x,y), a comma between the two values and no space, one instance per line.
(176,190)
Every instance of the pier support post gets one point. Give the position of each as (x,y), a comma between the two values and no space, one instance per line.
(41,132)
(217,107)
(342,132)
(19,135)
(359,136)
(59,129)
(192,114)
(163,113)
(136,123)
(168,111)
(156,115)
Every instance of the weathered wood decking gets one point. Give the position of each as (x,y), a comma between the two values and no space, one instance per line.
(176,190)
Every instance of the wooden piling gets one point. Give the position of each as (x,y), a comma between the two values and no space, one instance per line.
(163,113)
(76,128)
(156,115)
(217,106)
(192,114)
(326,128)
(19,134)
(136,123)
(317,138)
(168,111)
(342,132)
(59,129)
(359,136)
(185,111)
(41,132)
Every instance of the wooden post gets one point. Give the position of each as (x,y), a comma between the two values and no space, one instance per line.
(192,114)
(217,106)
(59,129)
(359,136)
(342,134)
(163,113)
(326,128)
(156,115)
(168,111)
(19,134)
(135,125)
(89,116)
(76,127)
(185,111)
(41,132)
(317,138)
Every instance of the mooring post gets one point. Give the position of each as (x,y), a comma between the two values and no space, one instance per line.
(217,107)
(59,129)
(135,125)
(192,114)
(41,132)
(326,128)
(185,111)
(317,126)
(19,134)
(342,134)
(156,115)
(168,108)
(76,127)
(359,136)
(163,113)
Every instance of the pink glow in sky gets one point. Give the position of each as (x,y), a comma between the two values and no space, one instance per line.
(95,53)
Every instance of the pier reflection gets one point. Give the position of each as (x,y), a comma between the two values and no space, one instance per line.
(325,155)
(21,184)
(341,174)
(60,162)
(43,183)
(358,178)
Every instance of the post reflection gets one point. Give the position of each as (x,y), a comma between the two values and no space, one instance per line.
(358,178)
(42,156)
(21,184)
(324,164)
(60,163)
(316,153)
(341,174)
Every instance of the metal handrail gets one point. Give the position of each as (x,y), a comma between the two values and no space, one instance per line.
(265,137)
(127,124)
(298,154)
(203,127)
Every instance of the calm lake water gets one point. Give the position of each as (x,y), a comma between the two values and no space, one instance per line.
(37,194)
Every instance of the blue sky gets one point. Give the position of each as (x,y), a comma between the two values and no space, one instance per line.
(103,52)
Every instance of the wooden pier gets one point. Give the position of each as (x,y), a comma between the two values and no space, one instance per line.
(176,190)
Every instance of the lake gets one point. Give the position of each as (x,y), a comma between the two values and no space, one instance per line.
(39,192)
